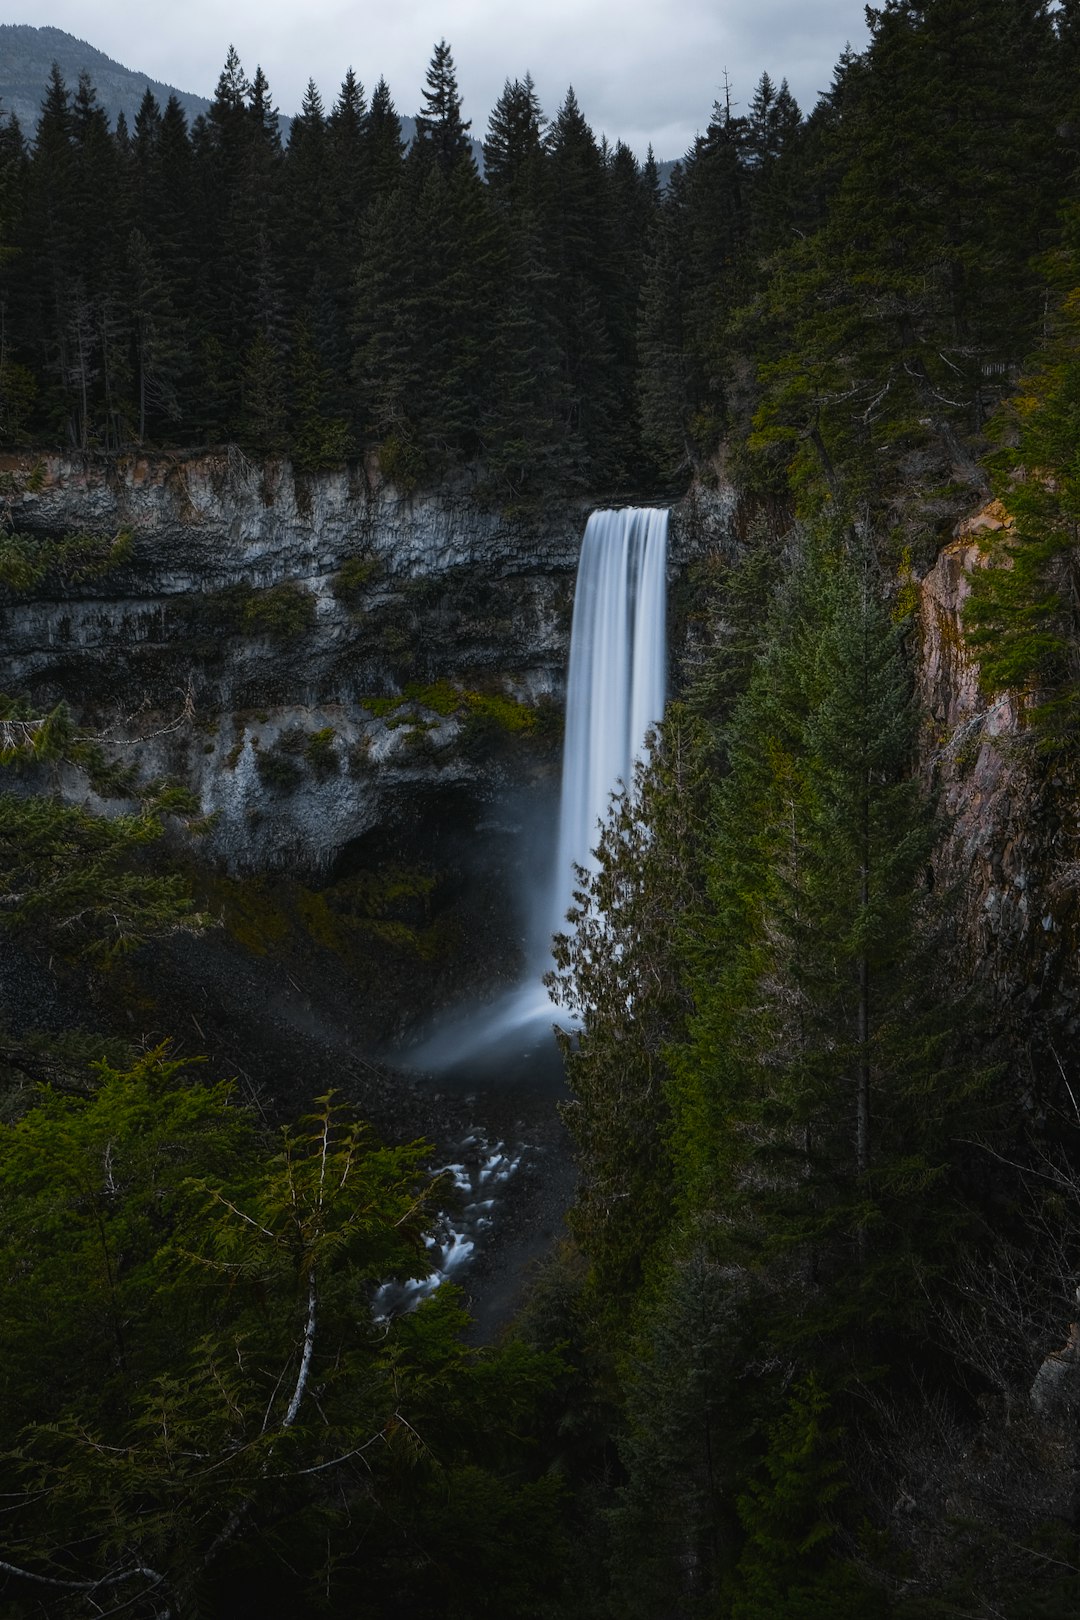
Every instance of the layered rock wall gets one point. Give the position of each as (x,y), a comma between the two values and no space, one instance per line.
(284,644)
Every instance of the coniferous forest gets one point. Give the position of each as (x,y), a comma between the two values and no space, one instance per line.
(804,1352)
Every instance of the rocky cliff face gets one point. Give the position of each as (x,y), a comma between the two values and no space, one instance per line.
(315,656)
(1010,849)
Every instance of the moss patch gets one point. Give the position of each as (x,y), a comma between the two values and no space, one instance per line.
(487,712)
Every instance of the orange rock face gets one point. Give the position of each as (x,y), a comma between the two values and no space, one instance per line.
(1008,835)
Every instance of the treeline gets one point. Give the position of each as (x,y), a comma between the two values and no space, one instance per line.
(167,285)
(850,290)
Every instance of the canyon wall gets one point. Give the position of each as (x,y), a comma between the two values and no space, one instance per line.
(316,656)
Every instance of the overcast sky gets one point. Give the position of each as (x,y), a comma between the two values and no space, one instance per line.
(641,72)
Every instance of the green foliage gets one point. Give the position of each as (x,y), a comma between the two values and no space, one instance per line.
(494,713)
(80,882)
(27,560)
(770,1090)
(847,290)
(617,971)
(320,752)
(485,714)
(354,576)
(189,1307)
(401,464)
(91,1184)
(87,883)
(816,1047)
(278,769)
(282,613)
(27,736)
(789,1569)
(1021,614)
(282,765)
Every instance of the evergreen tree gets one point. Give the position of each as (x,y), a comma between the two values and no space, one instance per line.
(618,974)
(159,336)
(1022,610)
(43,282)
(816,1089)
(316,248)
(789,1568)
(524,411)
(384,143)
(514,147)
(345,186)
(578,228)
(892,323)
(441,132)
(666,386)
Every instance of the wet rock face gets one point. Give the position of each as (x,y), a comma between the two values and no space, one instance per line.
(254,641)
(289,646)
(1011,821)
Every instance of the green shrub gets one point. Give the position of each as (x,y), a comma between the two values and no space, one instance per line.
(401,464)
(355,575)
(28,559)
(278,770)
(320,752)
(281,613)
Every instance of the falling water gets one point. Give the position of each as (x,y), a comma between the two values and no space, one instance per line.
(615,693)
(617,681)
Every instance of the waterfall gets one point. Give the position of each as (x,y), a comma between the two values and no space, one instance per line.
(615,693)
(617,679)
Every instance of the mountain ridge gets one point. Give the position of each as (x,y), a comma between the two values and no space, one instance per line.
(27,54)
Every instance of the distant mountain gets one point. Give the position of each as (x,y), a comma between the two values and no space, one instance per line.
(26,58)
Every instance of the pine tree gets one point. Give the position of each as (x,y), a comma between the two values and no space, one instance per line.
(578,227)
(790,1568)
(815,1091)
(524,410)
(1021,614)
(309,238)
(618,972)
(441,133)
(894,323)
(345,188)
(384,143)
(666,380)
(514,147)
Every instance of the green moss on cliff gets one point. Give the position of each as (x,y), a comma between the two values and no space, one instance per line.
(28,560)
